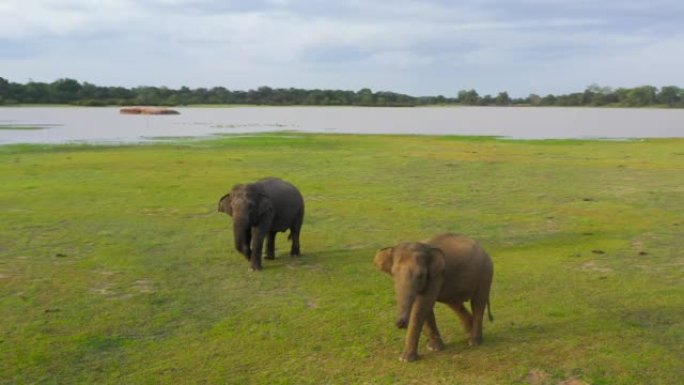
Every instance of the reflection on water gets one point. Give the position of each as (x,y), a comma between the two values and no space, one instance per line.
(107,125)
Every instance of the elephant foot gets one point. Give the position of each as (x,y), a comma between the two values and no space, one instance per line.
(270,257)
(435,346)
(294,252)
(475,341)
(408,357)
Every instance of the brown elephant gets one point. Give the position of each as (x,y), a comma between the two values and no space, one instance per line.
(447,268)
(260,210)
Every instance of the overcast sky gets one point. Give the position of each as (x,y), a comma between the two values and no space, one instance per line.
(415,47)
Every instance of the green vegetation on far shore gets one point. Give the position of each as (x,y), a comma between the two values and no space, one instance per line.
(116,268)
(71,91)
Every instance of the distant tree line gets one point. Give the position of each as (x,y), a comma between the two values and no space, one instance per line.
(70,91)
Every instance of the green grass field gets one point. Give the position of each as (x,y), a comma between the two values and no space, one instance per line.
(115,267)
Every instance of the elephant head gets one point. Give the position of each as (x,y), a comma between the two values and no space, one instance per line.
(414,268)
(249,207)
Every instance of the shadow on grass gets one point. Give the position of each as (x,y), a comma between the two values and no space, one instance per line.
(652,317)
(658,321)
(284,259)
(511,334)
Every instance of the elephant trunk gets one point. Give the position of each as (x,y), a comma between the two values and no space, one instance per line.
(406,295)
(241,235)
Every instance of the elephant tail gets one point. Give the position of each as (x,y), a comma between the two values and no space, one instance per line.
(489,312)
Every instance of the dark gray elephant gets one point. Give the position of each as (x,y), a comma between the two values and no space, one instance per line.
(447,268)
(259,211)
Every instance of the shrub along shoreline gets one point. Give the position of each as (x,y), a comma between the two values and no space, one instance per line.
(71,91)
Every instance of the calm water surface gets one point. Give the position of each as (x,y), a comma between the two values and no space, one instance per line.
(106,125)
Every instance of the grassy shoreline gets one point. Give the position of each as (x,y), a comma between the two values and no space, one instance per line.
(21,127)
(116,268)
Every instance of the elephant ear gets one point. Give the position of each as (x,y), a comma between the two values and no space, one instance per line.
(436,262)
(383,260)
(224,205)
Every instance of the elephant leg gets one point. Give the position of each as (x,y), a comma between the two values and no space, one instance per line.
(422,306)
(435,342)
(464,315)
(478,316)
(270,245)
(294,235)
(242,239)
(295,229)
(257,246)
(246,248)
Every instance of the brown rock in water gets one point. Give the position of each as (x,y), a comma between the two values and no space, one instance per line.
(147,110)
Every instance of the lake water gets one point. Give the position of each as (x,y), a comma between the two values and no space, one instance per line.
(106,125)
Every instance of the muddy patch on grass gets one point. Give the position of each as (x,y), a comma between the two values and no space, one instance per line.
(103,290)
(312,303)
(594,266)
(298,264)
(143,286)
(162,212)
(573,381)
(540,377)
(639,248)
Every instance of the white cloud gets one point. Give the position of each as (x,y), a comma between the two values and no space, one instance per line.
(420,47)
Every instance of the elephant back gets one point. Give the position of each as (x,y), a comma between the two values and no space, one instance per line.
(287,201)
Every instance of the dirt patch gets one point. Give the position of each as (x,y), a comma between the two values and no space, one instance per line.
(303,265)
(311,303)
(162,212)
(594,266)
(638,247)
(104,290)
(143,286)
(538,377)
(573,381)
